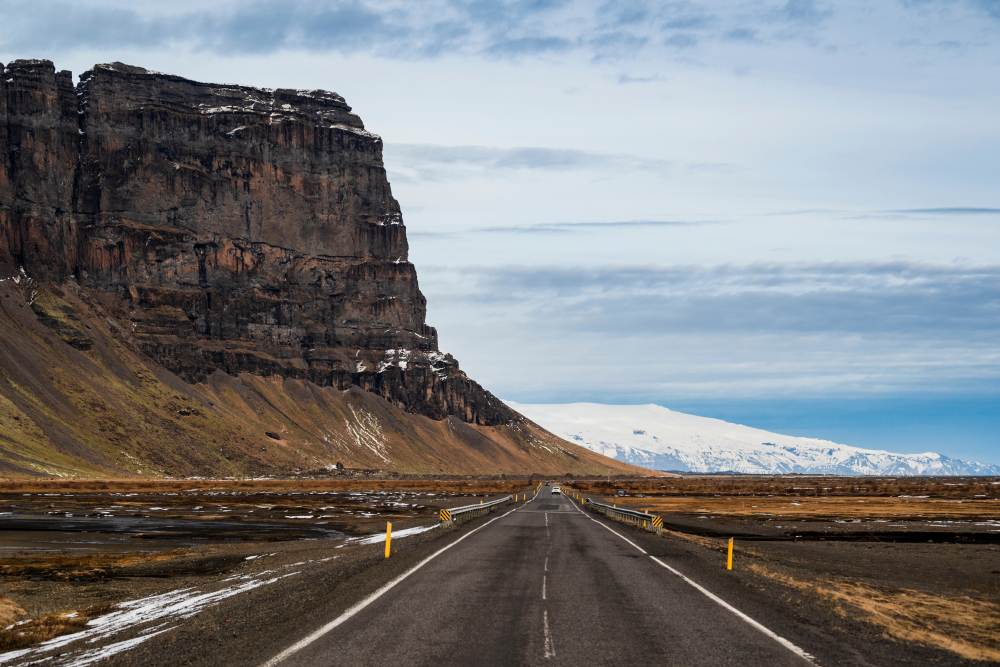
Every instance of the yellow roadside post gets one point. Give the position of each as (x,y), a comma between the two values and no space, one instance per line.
(388,537)
(729,561)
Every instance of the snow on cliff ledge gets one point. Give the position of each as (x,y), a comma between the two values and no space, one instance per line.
(655,437)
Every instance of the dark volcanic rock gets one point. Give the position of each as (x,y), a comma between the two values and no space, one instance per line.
(227,228)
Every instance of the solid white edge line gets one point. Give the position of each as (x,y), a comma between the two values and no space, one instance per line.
(302,643)
(712,596)
(778,638)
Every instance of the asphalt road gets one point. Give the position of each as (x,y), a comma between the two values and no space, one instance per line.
(535,583)
(541,584)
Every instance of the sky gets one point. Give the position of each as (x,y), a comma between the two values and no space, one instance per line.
(782,213)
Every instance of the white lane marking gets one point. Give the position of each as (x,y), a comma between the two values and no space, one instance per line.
(543,586)
(546,564)
(550,651)
(773,635)
(302,643)
(778,638)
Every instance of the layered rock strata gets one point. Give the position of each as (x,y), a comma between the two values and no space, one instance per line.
(225,228)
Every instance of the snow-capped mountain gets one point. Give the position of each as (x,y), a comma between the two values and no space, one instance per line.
(655,437)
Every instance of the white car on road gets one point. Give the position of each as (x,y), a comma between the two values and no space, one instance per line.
(555,489)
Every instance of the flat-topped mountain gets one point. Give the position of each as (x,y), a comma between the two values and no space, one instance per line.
(230,228)
(218,233)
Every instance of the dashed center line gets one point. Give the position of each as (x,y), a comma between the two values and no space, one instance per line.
(550,651)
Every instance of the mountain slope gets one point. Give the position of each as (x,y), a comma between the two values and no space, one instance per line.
(78,398)
(658,438)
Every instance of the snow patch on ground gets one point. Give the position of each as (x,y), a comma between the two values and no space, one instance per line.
(380,537)
(148,617)
(367,432)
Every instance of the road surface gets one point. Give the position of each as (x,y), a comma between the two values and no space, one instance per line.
(536,583)
(542,584)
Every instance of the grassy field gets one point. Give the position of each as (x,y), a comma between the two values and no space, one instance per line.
(799,486)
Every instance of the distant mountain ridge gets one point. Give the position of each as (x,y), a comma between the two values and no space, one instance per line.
(654,437)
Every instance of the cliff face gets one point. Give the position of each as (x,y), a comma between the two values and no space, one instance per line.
(222,228)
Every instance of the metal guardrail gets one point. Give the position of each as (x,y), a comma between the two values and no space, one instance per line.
(457,515)
(649,522)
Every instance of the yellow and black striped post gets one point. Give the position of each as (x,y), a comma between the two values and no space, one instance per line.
(657,522)
(445,515)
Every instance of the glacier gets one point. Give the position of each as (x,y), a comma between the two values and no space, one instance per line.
(655,437)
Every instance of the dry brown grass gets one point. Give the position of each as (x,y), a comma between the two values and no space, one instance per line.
(62,566)
(716,543)
(9,612)
(968,627)
(801,487)
(819,508)
(47,626)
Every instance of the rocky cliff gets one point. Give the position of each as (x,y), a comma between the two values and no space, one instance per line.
(220,228)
